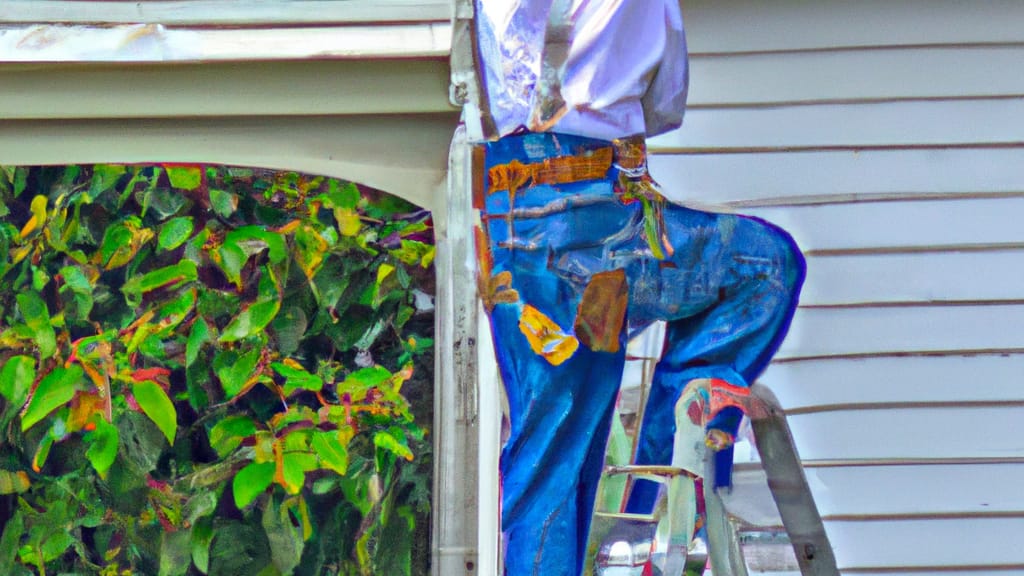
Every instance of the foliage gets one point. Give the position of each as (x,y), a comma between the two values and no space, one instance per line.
(209,370)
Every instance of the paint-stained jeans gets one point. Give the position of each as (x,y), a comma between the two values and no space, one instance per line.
(573,259)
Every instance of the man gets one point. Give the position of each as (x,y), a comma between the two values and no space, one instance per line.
(579,248)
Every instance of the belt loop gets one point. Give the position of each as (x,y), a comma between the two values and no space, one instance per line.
(631,155)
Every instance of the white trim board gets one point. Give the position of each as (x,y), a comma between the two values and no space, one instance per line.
(402,155)
(156,43)
(225,12)
(224,89)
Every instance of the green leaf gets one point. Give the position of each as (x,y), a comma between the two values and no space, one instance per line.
(388,442)
(202,536)
(228,434)
(10,541)
(185,177)
(231,258)
(175,552)
(20,180)
(224,203)
(234,370)
(78,283)
(251,320)
(175,233)
(199,335)
(43,451)
(55,544)
(342,194)
(176,274)
(104,177)
(103,443)
(310,249)
(156,404)
(39,279)
(285,538)
(252,481)
(290,327)
(174,312)
(294,466)
(254,239)
(200,506)
(121,242)
(297,378)
(359,382)
(332,452)
(16,378)
(37,318)
(55,390)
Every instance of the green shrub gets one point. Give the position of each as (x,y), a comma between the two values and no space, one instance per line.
(209,370)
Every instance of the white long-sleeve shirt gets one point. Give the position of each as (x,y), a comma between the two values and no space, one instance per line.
(599,68)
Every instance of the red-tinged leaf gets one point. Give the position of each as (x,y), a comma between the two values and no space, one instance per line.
(16,378)
(158,406)
(157,374)
(54,391)
(252,481)
(84,408)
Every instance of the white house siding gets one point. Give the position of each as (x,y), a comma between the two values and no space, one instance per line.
(888,137)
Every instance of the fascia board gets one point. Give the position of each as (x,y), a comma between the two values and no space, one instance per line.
(224,12)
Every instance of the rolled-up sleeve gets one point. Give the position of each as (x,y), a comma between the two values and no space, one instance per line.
(598,68)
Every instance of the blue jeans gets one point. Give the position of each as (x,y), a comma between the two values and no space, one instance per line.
(566,242)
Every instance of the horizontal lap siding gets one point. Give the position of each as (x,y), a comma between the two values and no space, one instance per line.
(829,384)
(856,74)
(888,138)
(934,543)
